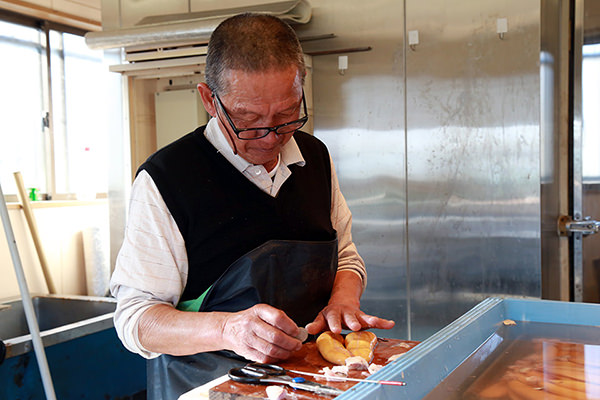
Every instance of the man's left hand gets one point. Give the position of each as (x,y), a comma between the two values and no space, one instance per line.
(337,316)
(343,310)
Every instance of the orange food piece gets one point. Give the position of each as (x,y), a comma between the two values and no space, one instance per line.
(362,344)
(335,349)
(331,347)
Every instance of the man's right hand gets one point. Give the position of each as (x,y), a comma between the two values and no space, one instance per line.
(261,333)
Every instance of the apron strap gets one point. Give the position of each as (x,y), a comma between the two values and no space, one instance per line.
(194,304)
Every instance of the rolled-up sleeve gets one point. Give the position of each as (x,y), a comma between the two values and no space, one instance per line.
(152,265)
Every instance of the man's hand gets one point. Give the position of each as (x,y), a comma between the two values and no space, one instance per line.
(343,310)
(337,316)
(261,333)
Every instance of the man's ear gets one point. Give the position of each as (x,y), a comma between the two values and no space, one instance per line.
(207,99)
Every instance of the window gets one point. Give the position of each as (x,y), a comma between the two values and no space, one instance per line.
(56,108)
(591,117)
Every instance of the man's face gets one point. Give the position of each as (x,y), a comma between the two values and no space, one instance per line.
(262,99)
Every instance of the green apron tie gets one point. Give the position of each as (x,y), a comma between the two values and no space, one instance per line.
(194,304)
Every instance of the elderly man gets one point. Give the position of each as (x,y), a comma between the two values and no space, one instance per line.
(238,233)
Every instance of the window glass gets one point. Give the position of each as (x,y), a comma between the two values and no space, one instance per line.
(591,114)
(81,108)
(54,122)
(22,107)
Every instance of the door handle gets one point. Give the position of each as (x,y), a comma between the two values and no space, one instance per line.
(567,226)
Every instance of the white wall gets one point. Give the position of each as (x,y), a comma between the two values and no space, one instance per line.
(60,226)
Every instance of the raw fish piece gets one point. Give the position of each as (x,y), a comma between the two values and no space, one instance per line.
(357,363)
(276,393)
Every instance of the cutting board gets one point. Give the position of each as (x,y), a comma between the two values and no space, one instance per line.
(308,359)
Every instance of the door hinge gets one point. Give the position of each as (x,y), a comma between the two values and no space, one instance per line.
(567,226)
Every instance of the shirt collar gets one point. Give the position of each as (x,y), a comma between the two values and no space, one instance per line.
(290,153)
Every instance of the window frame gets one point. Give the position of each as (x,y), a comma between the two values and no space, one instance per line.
(48,134)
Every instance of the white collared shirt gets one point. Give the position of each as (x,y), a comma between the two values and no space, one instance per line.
(152,265)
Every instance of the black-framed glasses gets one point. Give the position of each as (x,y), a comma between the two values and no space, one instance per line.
(261,132)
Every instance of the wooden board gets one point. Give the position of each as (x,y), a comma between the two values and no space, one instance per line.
(308,359)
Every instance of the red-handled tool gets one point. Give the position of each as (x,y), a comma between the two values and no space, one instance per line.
(340,378)
(345,378)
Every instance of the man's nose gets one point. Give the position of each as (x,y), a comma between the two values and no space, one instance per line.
(272,137)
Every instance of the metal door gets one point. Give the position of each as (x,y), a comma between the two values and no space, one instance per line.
(586,149)
(473,155)
(571,196)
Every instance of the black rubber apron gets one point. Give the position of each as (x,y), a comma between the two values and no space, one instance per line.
(293,276)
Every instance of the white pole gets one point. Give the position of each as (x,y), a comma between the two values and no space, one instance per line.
(34,329)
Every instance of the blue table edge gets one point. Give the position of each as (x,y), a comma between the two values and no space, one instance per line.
(428,363)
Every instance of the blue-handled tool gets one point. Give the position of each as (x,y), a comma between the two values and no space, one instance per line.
(269,373)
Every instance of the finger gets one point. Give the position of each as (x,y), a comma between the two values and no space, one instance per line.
(256,355)
(277,329)
(251,342)
(334,322)
(352,322)
(370,321)
(277,319)
(317,326)
(383,323)
(273,341)
(270,350)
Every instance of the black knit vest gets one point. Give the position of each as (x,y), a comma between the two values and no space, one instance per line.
(222,215)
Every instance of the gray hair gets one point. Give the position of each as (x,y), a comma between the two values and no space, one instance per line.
(251,43)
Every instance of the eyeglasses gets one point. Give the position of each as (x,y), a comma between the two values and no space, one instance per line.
(261,132)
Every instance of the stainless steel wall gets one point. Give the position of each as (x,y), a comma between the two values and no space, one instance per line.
(437,149)
(360,116)
(473,155)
